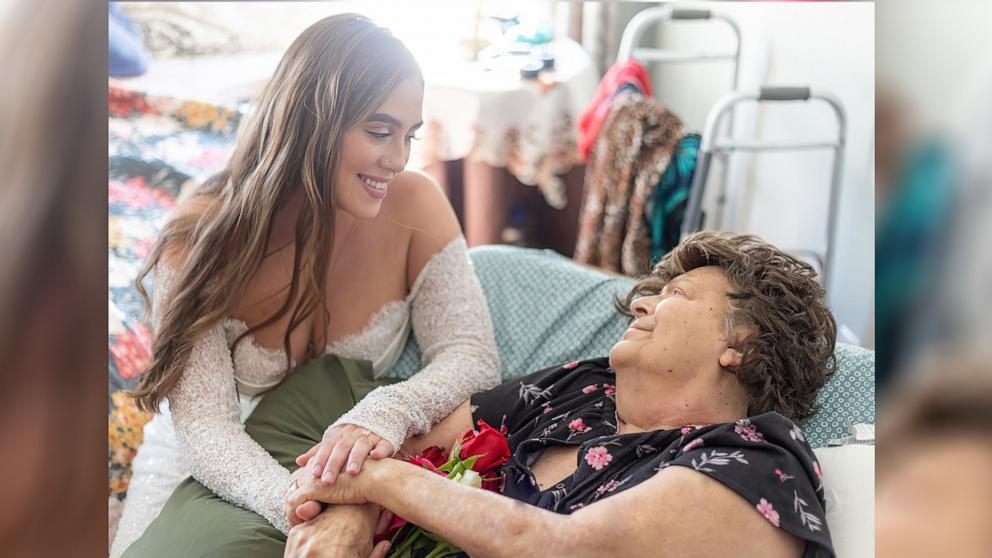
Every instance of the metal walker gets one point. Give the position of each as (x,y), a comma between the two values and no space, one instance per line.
(712,141)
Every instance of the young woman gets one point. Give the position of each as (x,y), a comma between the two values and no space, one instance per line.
(313,240)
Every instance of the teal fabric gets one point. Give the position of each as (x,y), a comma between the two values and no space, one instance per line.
(848,398)
(548,310)
(666,207)
(910,236)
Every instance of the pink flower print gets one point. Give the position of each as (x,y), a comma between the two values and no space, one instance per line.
(211,157)
(598,457)
(132,351)
(692,445)
(765,508)
(570,365)
(578,425)
(136,194)
(686,430)
(589,389)
(143,247)
(609,389)
(607,487)
(816,469)
(782,477)
(547,407)
(749,432)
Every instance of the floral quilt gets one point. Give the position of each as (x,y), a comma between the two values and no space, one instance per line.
(158,147)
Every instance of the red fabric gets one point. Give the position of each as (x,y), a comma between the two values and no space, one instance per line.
(591,119)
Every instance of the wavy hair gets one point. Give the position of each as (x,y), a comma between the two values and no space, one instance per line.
(788,356)
(333,76)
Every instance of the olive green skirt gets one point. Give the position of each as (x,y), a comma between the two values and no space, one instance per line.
(287,422)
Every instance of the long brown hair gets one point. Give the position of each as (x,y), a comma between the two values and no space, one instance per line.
(333,76)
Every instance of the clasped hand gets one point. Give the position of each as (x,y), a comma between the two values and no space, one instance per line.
(306,492)
(340,532)
(345,442)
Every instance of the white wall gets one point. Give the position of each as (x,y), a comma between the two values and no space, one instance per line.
(783,197)
(930,52)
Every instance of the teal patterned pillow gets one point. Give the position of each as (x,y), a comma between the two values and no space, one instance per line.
(848,398)
(548,310)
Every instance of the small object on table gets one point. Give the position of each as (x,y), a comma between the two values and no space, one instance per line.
(547,60)
(530,70)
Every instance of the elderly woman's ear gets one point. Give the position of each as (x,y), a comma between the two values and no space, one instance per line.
(731,357)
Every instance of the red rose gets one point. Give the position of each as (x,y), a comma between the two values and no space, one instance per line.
(436,455)
(489,449)
(488,443)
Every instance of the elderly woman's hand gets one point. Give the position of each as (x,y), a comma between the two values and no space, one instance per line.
(307,489)
(344,442)
(340,532)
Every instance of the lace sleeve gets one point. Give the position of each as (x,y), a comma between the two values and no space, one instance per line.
(211,437)
(452,326)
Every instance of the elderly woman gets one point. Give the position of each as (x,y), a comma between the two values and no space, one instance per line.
(681,443)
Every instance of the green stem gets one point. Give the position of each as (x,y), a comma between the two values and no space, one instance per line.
(434,537)
(409,541)
(401,533)
(441,549)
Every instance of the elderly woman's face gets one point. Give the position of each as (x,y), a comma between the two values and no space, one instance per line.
(680,329)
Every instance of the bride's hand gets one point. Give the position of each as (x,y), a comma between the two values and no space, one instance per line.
(345,442)
(300,513)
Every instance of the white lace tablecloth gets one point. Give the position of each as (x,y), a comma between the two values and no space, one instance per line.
(493,116)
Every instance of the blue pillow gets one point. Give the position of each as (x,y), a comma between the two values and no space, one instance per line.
(549,310)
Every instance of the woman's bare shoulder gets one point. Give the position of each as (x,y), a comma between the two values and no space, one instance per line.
(420,205)
(412,193)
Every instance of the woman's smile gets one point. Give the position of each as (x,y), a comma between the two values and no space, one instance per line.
(635,330)
(374,185)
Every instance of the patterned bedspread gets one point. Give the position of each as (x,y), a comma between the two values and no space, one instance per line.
(158,147)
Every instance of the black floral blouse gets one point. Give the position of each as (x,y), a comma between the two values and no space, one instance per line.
(764,458)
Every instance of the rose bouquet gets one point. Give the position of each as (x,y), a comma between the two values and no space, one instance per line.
(474,461)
